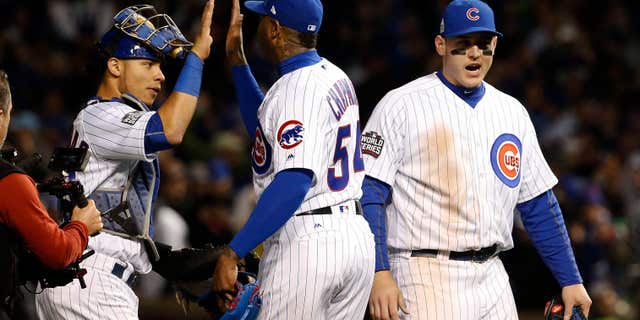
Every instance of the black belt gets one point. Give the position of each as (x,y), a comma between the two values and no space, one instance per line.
(118,271)
(479,256)
(327,210)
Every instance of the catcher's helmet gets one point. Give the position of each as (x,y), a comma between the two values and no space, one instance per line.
(115,44)
(139,32)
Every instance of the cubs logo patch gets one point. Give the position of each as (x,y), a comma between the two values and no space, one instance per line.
(260,153)
(290,134)
(506,153)
(132,117)
(472,14)
(372,143)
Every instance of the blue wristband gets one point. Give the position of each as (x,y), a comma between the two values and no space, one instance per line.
(190,77)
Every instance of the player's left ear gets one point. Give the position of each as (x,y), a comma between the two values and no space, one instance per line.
(276,32)
(440,44)
(114,67)
(272,27)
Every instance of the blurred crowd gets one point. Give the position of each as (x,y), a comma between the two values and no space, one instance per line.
(574,65)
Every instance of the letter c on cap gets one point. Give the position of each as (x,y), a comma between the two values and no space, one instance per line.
(472,14)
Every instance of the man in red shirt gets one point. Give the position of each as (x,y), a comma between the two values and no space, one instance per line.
(23,217)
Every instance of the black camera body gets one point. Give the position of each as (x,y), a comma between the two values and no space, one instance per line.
(69,159)
(70,194)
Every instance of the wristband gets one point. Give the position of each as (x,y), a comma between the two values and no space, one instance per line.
(190,77)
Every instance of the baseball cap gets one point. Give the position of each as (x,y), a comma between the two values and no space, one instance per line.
(467,16)
(300,15)
(116,44)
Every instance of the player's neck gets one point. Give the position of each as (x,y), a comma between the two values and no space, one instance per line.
(290,52)
(107,91)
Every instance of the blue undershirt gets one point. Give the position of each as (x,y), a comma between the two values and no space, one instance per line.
(470,95)
(375,194)
(249,96)
(541,216)
(276,206)
(301,60)
(154,138)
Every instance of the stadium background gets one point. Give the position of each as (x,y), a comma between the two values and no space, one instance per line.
(574,65)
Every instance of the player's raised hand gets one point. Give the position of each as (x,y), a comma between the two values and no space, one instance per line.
(385,298)
(234,47)
(89,215)
(224,278)
(202,44)
(575,295)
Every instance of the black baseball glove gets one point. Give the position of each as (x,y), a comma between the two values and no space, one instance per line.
(554,310)
(190,271)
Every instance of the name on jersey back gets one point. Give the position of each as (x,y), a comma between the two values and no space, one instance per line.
(340,97)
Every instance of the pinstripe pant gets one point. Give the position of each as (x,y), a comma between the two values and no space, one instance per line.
(105,297)
(318,267)
(443,289)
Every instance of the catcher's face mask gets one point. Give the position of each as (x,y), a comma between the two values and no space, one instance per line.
(149,35)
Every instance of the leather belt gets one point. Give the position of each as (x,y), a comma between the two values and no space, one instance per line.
(478,256)
(118,271)
(327,210)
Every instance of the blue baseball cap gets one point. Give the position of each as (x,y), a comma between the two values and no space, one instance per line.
(467,16)
(301,15)
(118,45)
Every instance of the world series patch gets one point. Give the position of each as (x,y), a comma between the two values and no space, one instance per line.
(132,117)
(372,143)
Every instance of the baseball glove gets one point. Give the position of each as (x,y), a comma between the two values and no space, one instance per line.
(554,310)
(190,271)
(244,306)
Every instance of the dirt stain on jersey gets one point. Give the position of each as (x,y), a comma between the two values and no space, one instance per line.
(444,177)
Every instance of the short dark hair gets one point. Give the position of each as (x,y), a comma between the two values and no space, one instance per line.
(5,92)
(308,40)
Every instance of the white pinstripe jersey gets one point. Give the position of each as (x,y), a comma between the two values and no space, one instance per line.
(114,133)
(309,119)
(456,172)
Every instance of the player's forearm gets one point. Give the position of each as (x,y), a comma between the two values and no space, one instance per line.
(176,114)
(237,59)
(274,208)
(177,111)
(542,218)
(374,196)
(249,95)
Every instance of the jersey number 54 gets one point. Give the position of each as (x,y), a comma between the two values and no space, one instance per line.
(341,155)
